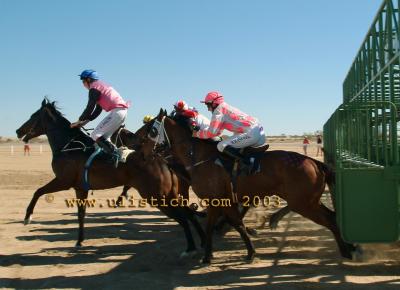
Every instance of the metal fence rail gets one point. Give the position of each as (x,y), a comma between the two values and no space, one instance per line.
(374,74)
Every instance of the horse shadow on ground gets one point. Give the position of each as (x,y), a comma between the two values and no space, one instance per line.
(293,257)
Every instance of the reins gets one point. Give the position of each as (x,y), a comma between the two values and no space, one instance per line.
(161,132)
(83,148)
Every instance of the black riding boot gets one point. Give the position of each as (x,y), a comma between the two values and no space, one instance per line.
(235,154)
(110,149)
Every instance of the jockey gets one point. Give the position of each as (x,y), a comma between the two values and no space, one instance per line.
(147,119)
(196,120)
(102,97)
(247,131)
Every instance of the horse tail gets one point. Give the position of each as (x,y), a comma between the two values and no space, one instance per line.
(330,178)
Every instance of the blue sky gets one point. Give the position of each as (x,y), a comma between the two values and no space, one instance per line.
(281,61)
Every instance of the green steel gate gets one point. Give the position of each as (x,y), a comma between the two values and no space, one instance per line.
(361,137)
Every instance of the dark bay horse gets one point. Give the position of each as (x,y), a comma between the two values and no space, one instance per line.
(296,178)
(150,179)
(125,138)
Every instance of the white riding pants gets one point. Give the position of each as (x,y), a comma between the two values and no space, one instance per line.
(115,118)
(255,136)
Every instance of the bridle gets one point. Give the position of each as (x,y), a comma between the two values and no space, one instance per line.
(32,127)
(159,135)
(162,143)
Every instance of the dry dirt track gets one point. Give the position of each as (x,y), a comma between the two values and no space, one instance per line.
(139,249)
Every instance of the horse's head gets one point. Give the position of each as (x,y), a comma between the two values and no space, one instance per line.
(124,137)
(165,131)
(33,127)
(39,121)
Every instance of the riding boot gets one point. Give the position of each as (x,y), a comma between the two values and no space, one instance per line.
(235,154)
(110,149)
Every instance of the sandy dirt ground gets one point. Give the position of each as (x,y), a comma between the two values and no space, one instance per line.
(139,248)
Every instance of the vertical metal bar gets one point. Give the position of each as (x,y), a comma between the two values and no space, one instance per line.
(384,120)
(376,122)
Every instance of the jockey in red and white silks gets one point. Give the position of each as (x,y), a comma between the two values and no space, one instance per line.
(197,121)
(246,129)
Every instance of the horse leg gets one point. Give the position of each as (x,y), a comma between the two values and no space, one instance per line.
(243,212)
(235,219)
(53,186)
(193,219)
(82,195)
(277,216)
(219,227)
(191,246)
(177,214)
(322,215)
(123,195)
(212,215)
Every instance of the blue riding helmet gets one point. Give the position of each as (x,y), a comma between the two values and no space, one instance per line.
(89,73)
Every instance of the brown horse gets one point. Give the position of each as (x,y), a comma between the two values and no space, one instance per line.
(298,179)
(71,148)
(124,137)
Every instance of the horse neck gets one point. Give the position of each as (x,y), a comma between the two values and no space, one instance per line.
(191,151)
(58,134)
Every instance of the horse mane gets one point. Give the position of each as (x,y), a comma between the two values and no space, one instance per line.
(183,122)
(55,110)
(57,116)
(180,120)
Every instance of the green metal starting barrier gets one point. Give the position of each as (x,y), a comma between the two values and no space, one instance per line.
(361,137)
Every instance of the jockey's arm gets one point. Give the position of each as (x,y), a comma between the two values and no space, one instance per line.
(92,110)
(214,129)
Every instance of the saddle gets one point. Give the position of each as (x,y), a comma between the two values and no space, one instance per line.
(235,167)
(99,153)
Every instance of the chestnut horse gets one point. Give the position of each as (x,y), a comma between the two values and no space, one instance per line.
(71,149)
(296,178)
(126,138)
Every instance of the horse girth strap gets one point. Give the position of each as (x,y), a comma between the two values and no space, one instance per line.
(193,162)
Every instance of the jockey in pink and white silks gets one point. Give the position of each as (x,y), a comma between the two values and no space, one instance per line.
(103,97)
(247,131)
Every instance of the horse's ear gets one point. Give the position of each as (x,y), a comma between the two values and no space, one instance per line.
(44,102)
(161,112)
(131,135)
(165,113)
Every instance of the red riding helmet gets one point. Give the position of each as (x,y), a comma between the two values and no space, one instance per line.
(213,98)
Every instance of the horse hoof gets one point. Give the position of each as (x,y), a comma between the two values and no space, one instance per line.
(273,222)
(78,245)
(187,254)
(27,221)
(206,260)
(250,257)
(273,225)
(357,254)
(251,232)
